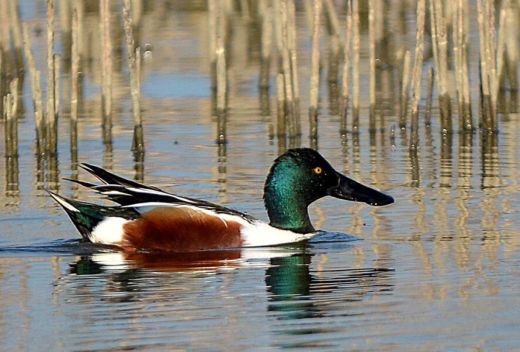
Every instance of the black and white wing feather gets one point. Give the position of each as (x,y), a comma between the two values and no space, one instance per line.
(130,194)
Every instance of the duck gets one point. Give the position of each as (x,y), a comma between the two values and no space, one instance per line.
(148,219)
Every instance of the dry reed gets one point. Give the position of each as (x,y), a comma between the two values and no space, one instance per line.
(75,62)
(440,53)
(372,64)
(460,49)
(106,95)
(429,99)
(35,84)
(286,69)
(133,64)
(335,43)
(293,57)
(16,30)
(57,72)
(74,77)
(266,39)
(355,66)
(405,83)
(51,113)
(1,82)
(315,71)
(212,50)
(220,57)
(280,95)
(418,59)
(345,91)
(488,81)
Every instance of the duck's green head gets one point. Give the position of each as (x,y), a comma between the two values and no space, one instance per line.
(301,176)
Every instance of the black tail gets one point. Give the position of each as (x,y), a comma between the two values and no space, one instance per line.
(110,178)
(85,216)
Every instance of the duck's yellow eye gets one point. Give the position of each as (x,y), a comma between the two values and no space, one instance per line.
(317,170)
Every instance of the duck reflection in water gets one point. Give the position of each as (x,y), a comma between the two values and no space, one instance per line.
(165,262)
(295,291)
(298,292)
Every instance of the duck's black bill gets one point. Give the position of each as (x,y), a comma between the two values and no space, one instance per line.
(351,190)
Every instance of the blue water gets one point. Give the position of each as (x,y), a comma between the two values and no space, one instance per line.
(436,271)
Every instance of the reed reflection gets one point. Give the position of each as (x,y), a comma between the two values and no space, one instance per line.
(12,168)
(490,176)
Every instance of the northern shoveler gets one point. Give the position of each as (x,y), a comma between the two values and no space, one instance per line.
(150,219)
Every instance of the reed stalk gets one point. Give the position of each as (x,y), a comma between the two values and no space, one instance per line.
(51,113)
(16,30)
(286,69)
(14,88)
(74,77)
(74,96)
(440,53)
(35,89)
(12,100)
(429,99)
(335,44)
(333,22)
(460,48)
(315,71)
(372,64)
(221,65)
(133,52)
(57,72)
(267,34)
(4,28)
(293,56)
(345,89)
(221,81)
(1,83)
(405,85)
(355,66)
(418,62)
(501,41)
(280,98)
(486,23)
(106,95)
(212,49)
(277,26)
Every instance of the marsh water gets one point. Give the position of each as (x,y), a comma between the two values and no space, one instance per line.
(437,270)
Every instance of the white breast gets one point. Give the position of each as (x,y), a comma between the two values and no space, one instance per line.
(260,234)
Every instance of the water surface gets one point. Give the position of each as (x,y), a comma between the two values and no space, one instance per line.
(438,270)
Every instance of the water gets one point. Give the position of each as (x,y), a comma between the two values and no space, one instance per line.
(437,270)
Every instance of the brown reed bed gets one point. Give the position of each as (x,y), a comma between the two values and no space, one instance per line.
(449,72)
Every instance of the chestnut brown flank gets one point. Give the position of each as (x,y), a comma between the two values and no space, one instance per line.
(180,230)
